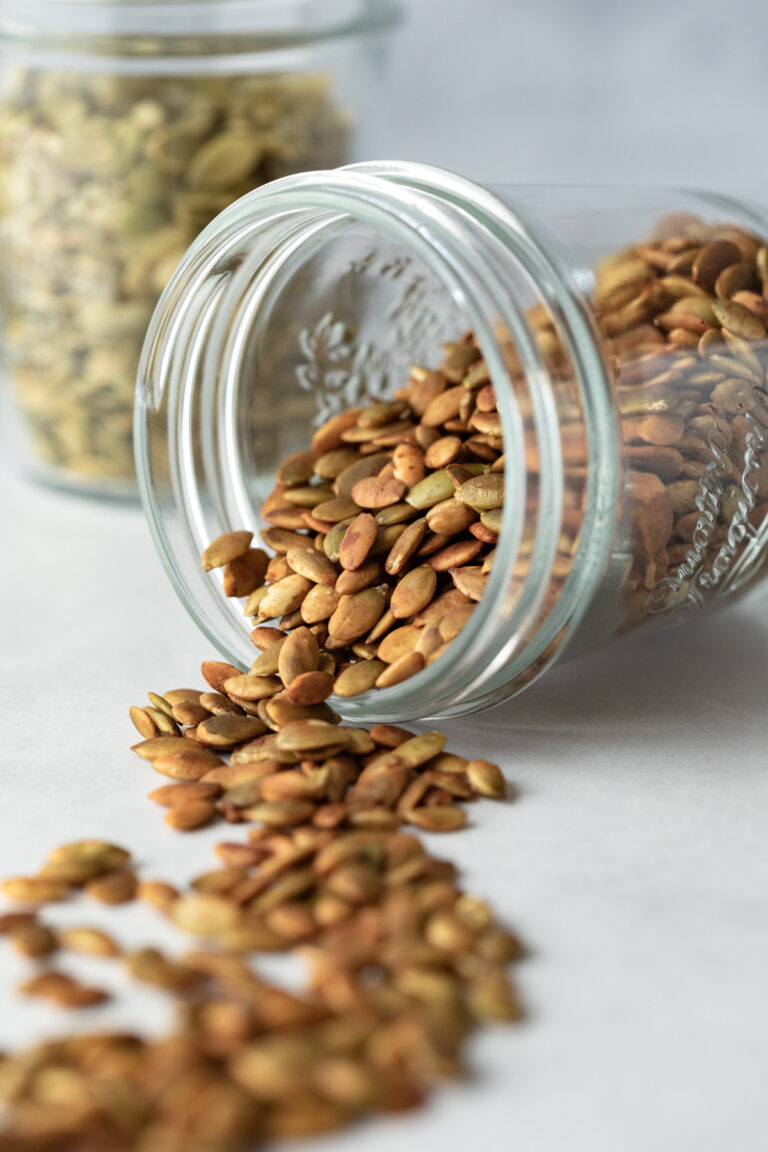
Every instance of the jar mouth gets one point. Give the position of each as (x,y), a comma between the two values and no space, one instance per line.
(474,672)
(279,23)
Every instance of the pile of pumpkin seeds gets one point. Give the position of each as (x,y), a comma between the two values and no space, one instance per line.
(383,533)
(105,181)
(291,763)
(402,964)
(685,321)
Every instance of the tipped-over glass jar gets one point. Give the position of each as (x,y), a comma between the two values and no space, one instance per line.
(126,126)
(616,383)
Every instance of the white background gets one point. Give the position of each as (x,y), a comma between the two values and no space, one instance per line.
(634,861)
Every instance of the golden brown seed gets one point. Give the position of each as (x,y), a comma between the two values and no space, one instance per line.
(186,765)
(62,990)
(173,795)
(187,817)
(336,511)
(218,705)
(159,894)
(160,703)
(267,663)
(448,933)
(227,731)
(436,486)
(226,548)
(413,592)
(455,555)
(358,678)
(297,469)
(329,436)
(291,785)
(215,672)
(712,260)
(400,670)
(299,654)
(483,492)
(486,778)
(470,581)
(191,714)
(492,998)
(34,890)
(737,278)
(405,546)
(253,602)
(443,451)
(281,712)
(310,736)
(10,921)
(356,615)
(143,722)
(358,540)
(88,941)
(281,540)
(281,813)
(264,637)
(243,687)
(245,573)
(164,746)
(319,604)
(408,464)
(204,914)
(355,580)
(102,855)
(285,596)
(397,643)
(444,407)
(72,872)
(453,622)
(437,819)
(378,492)
(34,940)
(450,517)
(235,855)
(310,688)
(739,320)
(390,735)
(313,565)
(114,888)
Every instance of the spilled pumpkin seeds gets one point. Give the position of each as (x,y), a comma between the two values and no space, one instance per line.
(381,537)
(401,964)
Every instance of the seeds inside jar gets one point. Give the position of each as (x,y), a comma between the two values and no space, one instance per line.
(107,179)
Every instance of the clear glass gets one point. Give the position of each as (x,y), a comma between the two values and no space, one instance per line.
(624,336)
(125,127)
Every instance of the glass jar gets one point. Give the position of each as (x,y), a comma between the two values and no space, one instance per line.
(622,332)
(125,127)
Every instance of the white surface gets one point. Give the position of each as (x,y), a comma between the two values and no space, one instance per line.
(634,862)
(585,91)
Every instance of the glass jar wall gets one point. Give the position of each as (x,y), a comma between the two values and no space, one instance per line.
(124,129)
(616,385)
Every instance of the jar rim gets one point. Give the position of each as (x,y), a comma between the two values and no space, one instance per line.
(286,21)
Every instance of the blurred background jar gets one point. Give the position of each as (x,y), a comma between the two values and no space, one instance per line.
(125,127)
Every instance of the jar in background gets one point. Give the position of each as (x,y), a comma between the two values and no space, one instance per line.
(623,341)
(125,127)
